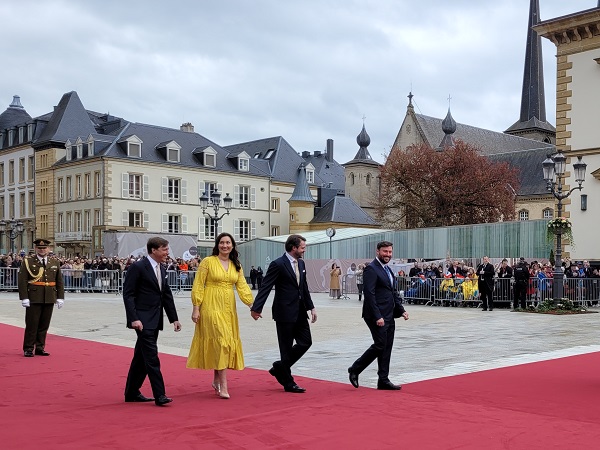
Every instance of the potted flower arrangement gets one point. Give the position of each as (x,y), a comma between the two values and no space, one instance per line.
(560,225)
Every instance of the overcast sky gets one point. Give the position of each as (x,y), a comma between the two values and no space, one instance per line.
(307,70)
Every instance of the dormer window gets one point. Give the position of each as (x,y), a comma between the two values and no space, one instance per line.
(11,136)
(69,149)
(210,160)
(134,150)
(310,174)
(173,154)
(79,148)
(30,132)
(133,145)
(269,153)
(90,146)
(243,164)
(21,134)
(257,155)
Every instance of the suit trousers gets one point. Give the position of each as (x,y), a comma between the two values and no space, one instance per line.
(289,352)
(145,362)
(37,322)
(383,342)
(486,295)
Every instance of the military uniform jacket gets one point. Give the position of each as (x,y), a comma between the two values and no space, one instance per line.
(33,278)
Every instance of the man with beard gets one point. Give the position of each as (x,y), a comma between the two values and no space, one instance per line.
(380,307)
(290,305)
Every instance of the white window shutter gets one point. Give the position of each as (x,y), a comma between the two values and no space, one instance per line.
(165,189)
(236,229)
(165,223)
(125,185)
(125,218)
(184,224)
(200,190)
(201,228)
(145,187)
(236,196)
(253,229)
(252,198)
(220,189)
(146,221)
(183,191)
(219,227)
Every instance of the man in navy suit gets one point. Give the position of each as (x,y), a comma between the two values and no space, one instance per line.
(378,314)
(292,300)
(146,293)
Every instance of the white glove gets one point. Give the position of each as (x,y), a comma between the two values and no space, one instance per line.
(25,303)
(59,303)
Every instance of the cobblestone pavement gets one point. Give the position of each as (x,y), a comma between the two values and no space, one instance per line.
(434,342)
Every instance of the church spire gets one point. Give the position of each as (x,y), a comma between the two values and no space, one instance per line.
(533,98)
(532,122)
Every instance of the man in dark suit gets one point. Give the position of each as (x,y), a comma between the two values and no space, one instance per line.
(292,300)
(378,313)
(485,272)
(253,275)
(41,286)
(146,293)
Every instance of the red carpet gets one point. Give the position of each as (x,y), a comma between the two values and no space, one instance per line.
(74,400)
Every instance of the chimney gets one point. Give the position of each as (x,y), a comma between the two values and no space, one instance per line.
(317,153)
(187,127)
(305,154)
(329,152)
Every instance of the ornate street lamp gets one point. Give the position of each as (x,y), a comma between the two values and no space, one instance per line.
(554,168)
(216,204)
(12,228)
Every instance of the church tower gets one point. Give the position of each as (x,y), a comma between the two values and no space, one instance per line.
(363,176)
(532,123)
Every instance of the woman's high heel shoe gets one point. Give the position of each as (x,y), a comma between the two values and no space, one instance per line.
(217,388)
(224,395)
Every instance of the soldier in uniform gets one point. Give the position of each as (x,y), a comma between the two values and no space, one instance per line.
(41,286)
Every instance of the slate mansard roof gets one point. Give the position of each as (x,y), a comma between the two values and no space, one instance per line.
(343,210)
(278,159)
(487,141)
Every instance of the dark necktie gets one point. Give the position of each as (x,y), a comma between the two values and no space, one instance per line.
(43,262)
(390,276)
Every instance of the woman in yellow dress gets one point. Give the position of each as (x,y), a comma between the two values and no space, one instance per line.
(216,344)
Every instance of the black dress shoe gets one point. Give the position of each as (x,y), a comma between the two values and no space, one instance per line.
(163,400)
(41,352)
(28,353)
(484,309)
(388,386)
(295,389)
(353,377)
(138,399)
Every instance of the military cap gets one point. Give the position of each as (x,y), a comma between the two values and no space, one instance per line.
(41,243)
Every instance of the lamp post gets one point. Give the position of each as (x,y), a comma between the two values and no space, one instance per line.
(12,228)
(216,204)
(554,168)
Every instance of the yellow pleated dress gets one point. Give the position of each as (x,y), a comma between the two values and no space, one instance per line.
(216,343)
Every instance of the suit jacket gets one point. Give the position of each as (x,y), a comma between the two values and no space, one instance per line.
(143,298)
(290,297)
(488,274)
(380,295)
(51,274)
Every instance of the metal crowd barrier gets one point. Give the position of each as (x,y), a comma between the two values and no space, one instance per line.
(8,278)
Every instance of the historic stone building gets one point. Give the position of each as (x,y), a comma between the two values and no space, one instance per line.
(577,40)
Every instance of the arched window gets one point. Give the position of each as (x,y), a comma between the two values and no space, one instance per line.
(523,214)
(548,213)
(368,179)
(351,179)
